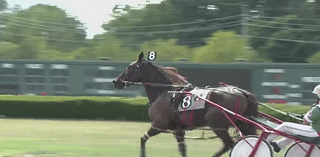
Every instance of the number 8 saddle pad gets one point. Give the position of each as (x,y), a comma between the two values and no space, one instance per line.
(191,102)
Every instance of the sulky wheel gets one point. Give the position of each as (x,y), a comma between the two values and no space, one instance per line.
(243,149)
(299,150)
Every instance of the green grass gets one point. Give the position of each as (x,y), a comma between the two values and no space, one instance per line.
(59,138)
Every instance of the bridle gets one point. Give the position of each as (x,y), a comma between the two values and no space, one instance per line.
(128,83)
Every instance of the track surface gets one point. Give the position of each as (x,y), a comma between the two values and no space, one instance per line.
(68,138)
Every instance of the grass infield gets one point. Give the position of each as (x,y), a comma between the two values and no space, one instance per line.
(72,138)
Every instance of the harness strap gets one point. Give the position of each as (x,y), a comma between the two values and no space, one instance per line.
(185,120)
(191,116)
(237,105)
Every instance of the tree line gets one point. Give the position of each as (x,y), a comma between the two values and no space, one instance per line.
(204,31)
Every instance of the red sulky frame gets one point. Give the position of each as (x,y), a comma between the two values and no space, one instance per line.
(265,129)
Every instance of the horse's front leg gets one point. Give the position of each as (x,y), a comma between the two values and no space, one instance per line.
(181,143)
(144,138)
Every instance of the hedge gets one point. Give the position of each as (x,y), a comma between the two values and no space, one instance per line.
(108,108)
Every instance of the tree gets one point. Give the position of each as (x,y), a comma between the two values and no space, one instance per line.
(291,36)
(83,53)
(138,26)
(3,5)
(191,22)
(109,46)
(29,49)
(55,55)
(277,8)
(285,39)
(193,13)
(167,50)
(315,58)
(223,47)
(42,21)
(8,50)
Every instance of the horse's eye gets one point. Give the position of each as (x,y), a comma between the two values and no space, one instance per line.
(135,70)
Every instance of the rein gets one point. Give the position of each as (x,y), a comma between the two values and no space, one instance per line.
(128,83)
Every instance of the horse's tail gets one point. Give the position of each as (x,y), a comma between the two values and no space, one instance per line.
(253,105)
(251,111)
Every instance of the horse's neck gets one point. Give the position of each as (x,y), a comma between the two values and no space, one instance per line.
(153,92)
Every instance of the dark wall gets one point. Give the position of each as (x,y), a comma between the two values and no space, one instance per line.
(212,77)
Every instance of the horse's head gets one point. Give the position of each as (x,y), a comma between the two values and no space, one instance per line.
(132,73)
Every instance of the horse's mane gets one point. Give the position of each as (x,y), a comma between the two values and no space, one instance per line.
(173,74)
(170,72)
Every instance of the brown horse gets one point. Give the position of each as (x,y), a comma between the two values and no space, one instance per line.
(158,81)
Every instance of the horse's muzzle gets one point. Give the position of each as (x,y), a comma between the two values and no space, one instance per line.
(118,84)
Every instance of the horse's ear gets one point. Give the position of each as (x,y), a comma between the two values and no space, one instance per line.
(141,56)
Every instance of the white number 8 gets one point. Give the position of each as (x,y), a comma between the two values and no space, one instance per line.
(152,55)
(186,102)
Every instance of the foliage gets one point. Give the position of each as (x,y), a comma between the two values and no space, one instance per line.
(83,53)
(3,5)
(314,58)
(60,31)
(8,50)
(223,47)
(173,28)
(138,26)
(168,50)
(285,44)
(134,109)
(111,108)
(55,55)
(108,46)
(159,21)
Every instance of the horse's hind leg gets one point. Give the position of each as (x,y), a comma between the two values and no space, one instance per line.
(144,138)
(226,139)
(181,143)
(220,125)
